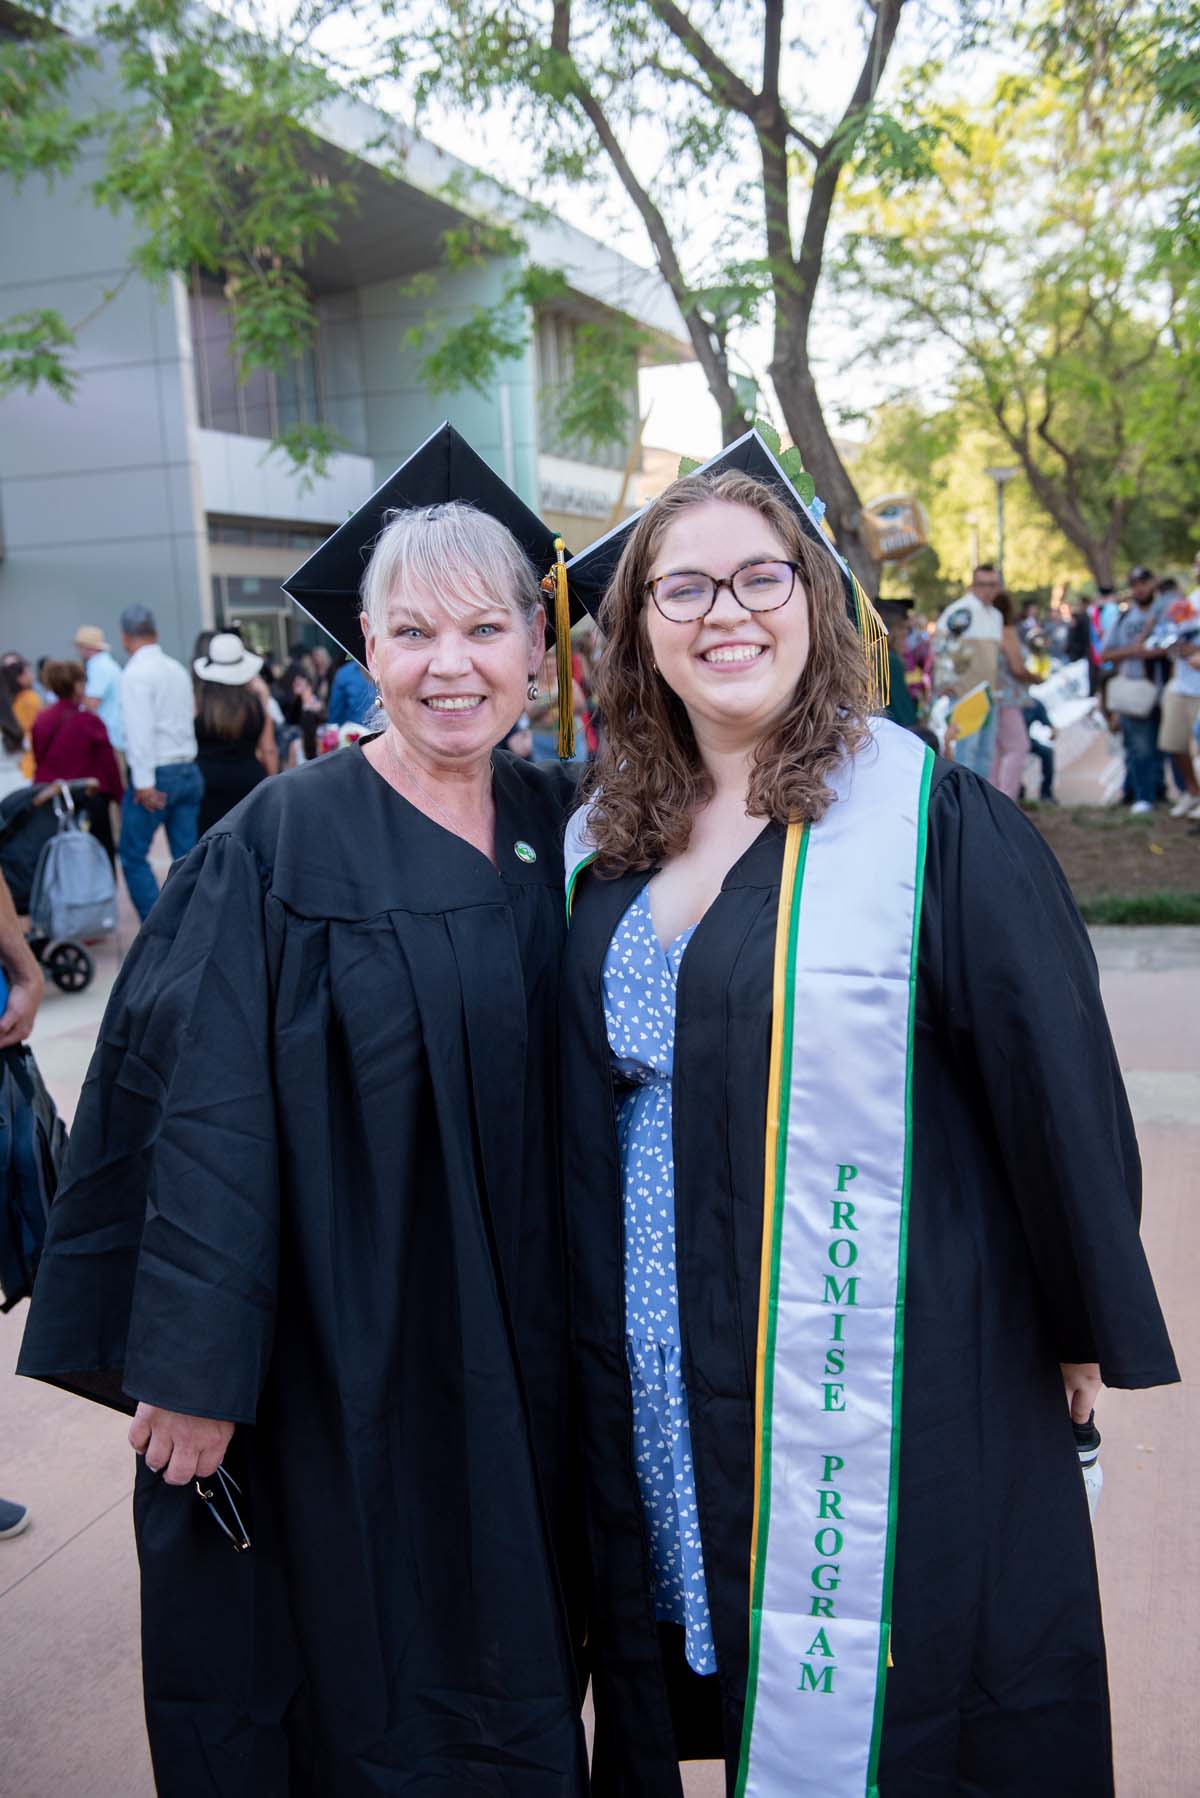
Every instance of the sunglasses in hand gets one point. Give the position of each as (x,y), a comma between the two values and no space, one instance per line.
(219,1494)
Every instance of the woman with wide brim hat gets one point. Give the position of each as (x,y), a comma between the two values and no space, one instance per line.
(854,1197)
(230,720)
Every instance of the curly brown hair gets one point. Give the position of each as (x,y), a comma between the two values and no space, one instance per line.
(649,781)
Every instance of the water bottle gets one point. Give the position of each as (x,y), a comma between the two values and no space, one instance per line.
(1087,1443)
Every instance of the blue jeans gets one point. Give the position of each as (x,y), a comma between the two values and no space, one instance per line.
(977,752)
(183,784)
(1140,737)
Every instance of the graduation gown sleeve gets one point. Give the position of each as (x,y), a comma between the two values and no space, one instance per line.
(1020,999)
(170,1182)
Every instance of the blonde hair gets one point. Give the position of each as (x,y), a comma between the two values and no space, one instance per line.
(649,780)
(465,557)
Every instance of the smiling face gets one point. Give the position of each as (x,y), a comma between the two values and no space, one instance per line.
(452,681)
(735,670)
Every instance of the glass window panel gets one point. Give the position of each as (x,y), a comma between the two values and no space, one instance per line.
(257,411)
(296,392)
(222,389)
(288,397)
(265,403)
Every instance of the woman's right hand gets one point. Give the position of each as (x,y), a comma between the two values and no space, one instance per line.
(178,1446)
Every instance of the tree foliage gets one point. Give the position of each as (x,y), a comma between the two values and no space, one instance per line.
(206,128)
(206,149)
(203,129)
(718,107)
(1044,260)
(1051,240)
(943,453)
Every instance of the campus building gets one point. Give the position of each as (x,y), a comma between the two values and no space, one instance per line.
(157,481)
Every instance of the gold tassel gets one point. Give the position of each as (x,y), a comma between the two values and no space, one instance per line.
(562,650)
(873,634)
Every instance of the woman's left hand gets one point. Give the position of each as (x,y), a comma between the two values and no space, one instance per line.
(1082,1381)
(178,1446)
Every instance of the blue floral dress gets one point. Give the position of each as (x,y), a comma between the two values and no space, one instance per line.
(639,1008)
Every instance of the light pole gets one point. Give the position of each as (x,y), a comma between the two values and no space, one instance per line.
(1001,476)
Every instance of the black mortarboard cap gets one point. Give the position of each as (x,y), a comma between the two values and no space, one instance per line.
(445,468)
(590,572)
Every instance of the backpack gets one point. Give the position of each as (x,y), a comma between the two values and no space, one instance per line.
(74,893)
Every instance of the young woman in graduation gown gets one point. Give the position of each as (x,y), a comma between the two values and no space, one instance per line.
(838,1532)
(329,1063)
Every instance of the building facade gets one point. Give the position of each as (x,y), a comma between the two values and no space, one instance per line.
(157,481)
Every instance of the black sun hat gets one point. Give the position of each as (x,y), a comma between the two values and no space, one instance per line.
(445,467)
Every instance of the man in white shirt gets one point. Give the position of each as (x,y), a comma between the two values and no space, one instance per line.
(165,785)
(103,694)
(1181,696)
(1126,649)
(967,653)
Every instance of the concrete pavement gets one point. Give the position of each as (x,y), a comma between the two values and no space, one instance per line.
(70,1718)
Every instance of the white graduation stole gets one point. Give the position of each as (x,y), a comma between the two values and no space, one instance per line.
(831,1310)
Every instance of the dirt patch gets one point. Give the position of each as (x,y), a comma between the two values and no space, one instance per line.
(1107,852)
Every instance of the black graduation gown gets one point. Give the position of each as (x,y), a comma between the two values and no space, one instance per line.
(329,1063)
(1023,1252)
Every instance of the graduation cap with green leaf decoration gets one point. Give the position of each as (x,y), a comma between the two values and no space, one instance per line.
(445,467)
(758,453)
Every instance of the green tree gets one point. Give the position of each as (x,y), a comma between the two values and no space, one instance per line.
(1048,262)
(205,128)
(722,107)
(718,108)
(942,454)
(202,128)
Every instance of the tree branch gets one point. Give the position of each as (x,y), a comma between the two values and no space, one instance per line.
(772,49)
(709,353)
(807,143)
(831,159)
(728,85)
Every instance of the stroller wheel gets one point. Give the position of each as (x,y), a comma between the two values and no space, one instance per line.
(70,967)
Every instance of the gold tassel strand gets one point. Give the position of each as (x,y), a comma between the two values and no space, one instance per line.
(562,650)
(873,634)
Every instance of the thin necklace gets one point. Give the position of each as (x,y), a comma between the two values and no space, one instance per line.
(402,769)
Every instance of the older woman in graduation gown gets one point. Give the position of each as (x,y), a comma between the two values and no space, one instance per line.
(310,1225)
(838,1531)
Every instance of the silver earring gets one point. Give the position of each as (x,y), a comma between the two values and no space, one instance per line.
(531,691)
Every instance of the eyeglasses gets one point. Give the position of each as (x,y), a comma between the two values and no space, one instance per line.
(221,1506)
(758,587)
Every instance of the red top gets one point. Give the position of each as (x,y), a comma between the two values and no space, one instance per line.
(70,743)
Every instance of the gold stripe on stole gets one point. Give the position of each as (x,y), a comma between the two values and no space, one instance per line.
(779,1006)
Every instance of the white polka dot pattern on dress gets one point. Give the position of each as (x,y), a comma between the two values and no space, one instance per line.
(639,1006)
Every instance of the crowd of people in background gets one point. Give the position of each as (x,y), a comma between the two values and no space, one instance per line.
(169,746)
(177,747)
(1141,649)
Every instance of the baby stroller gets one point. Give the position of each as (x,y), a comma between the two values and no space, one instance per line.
(59,875)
